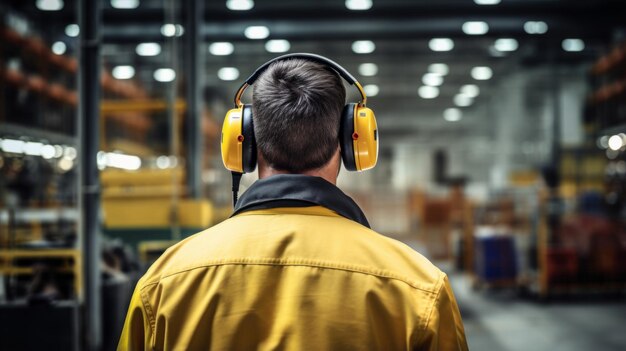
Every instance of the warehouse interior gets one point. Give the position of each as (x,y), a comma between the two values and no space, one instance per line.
(502,130)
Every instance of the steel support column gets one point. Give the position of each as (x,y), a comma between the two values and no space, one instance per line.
(89,18)
(193,11)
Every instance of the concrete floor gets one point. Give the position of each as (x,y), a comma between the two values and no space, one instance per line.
(501,320)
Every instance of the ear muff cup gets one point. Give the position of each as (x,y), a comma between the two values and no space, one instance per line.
(346,129)
(248,150)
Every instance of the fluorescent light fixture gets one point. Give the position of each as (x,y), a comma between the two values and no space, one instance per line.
(277,45)
(164,75)
(573,45)
(428,92)
(358,5)
(123,72)
(475,28)
(33,148)
(148,49)
(59,48)
(441,44)
(482,73)
(221,48)
(163,162)
(257,32)
(432,79)
(127,162)
(506,44)
(65,164)
(462,100)
(439,68)
(125,4)
(470,90)
(49,5)
(58,151)
(170,30)
(487,2)
(239,5)
(13,146)
(452,114)
(228,73)
(70,152)
(47,152)
(371,89)
(363,47)
(535,27)
(615,142)
(368,69)
(72,30)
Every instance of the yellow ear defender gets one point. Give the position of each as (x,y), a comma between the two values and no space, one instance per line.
(358,133)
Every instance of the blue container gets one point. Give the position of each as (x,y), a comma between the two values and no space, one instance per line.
(496,258)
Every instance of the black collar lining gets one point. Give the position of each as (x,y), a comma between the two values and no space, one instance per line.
(297,190)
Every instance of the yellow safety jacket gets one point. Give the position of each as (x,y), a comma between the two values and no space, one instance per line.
(295,268)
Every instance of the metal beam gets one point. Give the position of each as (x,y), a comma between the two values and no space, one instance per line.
(89,183)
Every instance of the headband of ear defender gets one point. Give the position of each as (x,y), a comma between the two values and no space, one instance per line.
(358,134)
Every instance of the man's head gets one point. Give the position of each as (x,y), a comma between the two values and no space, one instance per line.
(297,106)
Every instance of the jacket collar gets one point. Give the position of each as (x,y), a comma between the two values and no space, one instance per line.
(297,190)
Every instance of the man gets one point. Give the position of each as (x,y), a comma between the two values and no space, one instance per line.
(304,274)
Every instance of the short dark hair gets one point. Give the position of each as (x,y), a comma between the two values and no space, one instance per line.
(296,106)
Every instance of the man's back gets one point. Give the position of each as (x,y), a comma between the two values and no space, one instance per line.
(298,278)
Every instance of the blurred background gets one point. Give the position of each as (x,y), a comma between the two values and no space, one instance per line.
(501,151)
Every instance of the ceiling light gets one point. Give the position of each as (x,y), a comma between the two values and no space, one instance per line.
(536,27)
(47,152)
(452,114)
(470,90)
(58,150)
(603,142)
(363,47)
(125,4)
(164,75)
(221,48)
(277,45)
(432,79)
(371,89)
(428,92)
(127,162)
(506,44)
(487,2)
(170,30)
(482,73)
(49,5)
(368,69)
(573,45)
(13,146)
(240,5)
(475,28)
(163,162)
(257,32)
(441,44)
(72,30)
(358,4)
(70,153)
(228,73)
(59,48)
(33,148)
(616,142)
(462,100)
(148,49)
(65,164)
(439,68)
(123,72)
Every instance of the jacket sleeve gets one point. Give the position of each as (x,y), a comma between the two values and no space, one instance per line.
(137,329)
(444,331)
